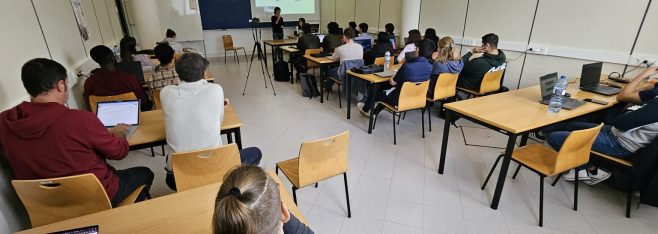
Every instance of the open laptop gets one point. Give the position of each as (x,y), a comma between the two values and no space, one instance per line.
(590,78)
(119,112)
(546,84)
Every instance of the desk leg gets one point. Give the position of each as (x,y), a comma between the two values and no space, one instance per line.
(503,171)
(444,141)
(373,91)
(229,137)
(238,138)
(292,72)
(349,95)
(524,140)
(274,55)
(264,53)
(323,69)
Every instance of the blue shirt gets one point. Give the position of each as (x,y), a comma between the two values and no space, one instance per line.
(418,69)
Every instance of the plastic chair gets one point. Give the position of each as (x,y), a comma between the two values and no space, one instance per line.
(202,167)
(445,88)
(412,97)
(491,82)
(228,45)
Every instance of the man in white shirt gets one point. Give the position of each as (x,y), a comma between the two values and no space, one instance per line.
(348,51)
(193,112)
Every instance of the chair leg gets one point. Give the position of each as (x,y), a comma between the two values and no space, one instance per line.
(237,58)
(347,196)
(163,150)
(491,172)
(152,152)
(429,116)
(224,56)
(541,200)
(575,191)
(316,185)
(245,55)
(340,104)
(294,194)
(557,178)
(276,169)
(629,199)
(395,140)
(517,171)
(374,122)
(400,117)
(422,120)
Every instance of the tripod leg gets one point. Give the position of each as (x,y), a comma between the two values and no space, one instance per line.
(253,55)
(263,67)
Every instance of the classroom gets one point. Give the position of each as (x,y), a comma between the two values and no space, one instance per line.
(329,116)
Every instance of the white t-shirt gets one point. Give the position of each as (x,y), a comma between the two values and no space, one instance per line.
(408,48)
(193,113)
(349,51)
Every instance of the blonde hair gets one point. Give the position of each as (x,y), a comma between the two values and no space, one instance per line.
(247,202)
(447,51)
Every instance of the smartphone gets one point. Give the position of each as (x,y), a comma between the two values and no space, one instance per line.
(596,101)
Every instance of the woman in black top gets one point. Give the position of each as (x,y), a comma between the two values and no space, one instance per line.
(277,29)
(430,34)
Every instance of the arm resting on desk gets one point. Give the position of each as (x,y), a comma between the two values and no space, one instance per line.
(638,90)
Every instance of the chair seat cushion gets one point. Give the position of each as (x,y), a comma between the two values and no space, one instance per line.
(616,160)
(538,157)
(290,168)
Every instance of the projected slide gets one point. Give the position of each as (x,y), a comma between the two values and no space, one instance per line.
(290,6)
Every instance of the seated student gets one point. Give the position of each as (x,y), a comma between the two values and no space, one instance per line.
(446,60)
(417,69)
(333,39)
(165,73)
(412,43)
(379,49)
(306,41)
(249,201)
(171,40)
(479,61)
(364,35)
(108,80)
(300,26)
(629,132)
(193,112)
(128,47)
(45,139)
(390,29)
(349,51)
(352,25)
(430,34)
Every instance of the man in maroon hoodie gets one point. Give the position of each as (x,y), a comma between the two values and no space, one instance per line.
(45,139)
(109,81)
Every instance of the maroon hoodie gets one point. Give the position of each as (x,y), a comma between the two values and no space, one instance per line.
(46,140)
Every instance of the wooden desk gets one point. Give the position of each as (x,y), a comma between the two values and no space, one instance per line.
(291,53)
(151,130)
(515,113)
(324,63)
(274,44)
(374,81)
(185,212)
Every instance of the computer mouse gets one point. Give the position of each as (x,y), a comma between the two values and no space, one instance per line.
(567,94)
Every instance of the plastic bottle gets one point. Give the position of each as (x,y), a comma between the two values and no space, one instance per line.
(555,104)
(387,60)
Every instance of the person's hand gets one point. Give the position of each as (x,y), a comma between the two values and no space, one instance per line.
(647,86)
(226,102)
(649,71)
(393,83)
(477,50)
(121,130)
(475,56)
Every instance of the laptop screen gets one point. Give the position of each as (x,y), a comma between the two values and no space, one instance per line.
(321,36)
(365,43)
(546,84)
(113,113)
(591,74)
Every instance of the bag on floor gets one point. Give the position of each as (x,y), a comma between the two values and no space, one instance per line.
(309,85)
(281,72)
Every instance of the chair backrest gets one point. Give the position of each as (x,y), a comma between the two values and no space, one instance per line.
(53,200)
(322,159)
(312,51)
(94,100)
(491,81)
(228,41)
(413,95)
(202,167)
(446,86)
(380,61)
(576,149)
(156,99)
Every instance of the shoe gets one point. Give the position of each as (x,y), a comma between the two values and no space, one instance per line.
(360,105)
(601,175)
(583,175)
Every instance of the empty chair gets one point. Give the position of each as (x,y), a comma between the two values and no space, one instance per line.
(228,45)
(57,199)
(546,162)
(202,167)
(491,82)
(317,161)
(445,88)
(412,97)
(94,100)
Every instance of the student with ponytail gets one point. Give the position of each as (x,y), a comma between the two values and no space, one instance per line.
(446,60)
(248,202)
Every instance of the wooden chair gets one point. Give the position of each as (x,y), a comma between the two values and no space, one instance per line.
(158,105)
(628,165)
(57,199)
(202,167)
(445,88)
(311,64)
(491,82)
(412,97)
(380,61)
(318,160)
(228,45)
(546,162)
(94,100)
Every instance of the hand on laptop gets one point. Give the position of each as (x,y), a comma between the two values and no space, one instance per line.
(121,130)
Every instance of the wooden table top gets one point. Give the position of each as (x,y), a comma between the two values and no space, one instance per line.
(321,60)
(280,42)
(289,49)
(519,111)
(372,78)
(151,128)
(184,212)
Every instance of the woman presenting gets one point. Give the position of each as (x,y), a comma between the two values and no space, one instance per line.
(277,30)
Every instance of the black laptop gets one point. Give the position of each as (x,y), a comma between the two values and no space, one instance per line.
(546,84)
(590,78)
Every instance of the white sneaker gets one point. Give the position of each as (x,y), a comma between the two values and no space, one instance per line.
(600,176)
(583,175)
(360,106)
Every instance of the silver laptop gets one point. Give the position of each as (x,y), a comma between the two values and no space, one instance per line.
(386,74)
(546,84)
(119,112)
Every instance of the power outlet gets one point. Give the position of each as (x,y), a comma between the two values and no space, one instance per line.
(636,60)
(537,49)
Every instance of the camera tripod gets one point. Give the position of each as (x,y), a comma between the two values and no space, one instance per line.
(257,34)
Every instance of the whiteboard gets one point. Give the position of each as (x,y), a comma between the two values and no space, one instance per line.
(182,17)
(446,16)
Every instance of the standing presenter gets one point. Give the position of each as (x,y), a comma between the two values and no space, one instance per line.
(277,30)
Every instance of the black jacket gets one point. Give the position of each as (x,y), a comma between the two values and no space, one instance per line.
(379,50)
(645,173)
(474,70)
(331,42)
(308,41)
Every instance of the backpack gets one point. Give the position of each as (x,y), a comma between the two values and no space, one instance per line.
(309,85)
(281,72)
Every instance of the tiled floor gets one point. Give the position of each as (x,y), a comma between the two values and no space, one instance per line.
(396,189)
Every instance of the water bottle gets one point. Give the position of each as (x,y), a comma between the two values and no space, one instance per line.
(387,60)
(555,104)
